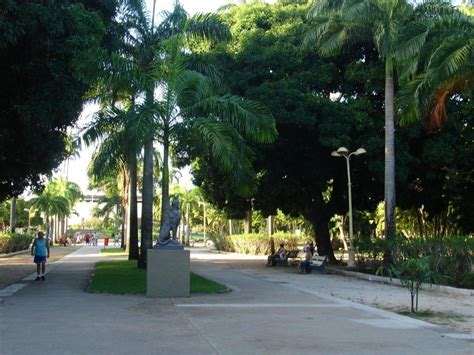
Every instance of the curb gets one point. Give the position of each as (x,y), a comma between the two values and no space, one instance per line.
(396,282)
(14,253)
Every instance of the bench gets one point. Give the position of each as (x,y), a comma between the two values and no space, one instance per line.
(292,254)
(318,263)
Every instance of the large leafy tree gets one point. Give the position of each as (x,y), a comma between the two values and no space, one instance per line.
(297,174)
(41,92)
(338,23)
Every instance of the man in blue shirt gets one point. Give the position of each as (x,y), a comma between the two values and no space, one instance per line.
(40,249)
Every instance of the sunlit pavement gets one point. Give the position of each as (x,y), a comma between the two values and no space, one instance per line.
(261,315)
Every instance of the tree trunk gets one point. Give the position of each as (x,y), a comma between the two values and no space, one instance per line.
(132,208)
(248,222)
(270,225)
(122,231)
(419,219)
(187,229)
(165,178)
(341,233)
(231,230)
(147,204)
(390,255)
(323,238)
(13,215)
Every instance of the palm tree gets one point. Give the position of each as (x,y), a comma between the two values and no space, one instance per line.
(72,192)
(339,22)
(155,49)
(116,158)
(55,201)
(152,60)
(439,57)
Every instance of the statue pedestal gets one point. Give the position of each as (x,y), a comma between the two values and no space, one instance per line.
(168,273)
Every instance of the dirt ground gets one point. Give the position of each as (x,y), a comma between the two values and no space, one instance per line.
(15,268)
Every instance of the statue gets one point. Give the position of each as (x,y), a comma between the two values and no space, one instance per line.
(168,238)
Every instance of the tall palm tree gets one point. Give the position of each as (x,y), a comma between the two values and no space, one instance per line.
(155,49)
(342,21)
(152,62)
(116,157)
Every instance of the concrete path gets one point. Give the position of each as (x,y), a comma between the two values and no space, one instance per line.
(260,316)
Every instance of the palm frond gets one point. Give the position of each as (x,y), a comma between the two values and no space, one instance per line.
(208,27)
(219,137)
(251,119)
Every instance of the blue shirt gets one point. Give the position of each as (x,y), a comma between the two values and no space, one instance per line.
(40,247)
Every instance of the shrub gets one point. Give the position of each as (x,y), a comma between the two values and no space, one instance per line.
(12,242)
(255,244)
(450,256)
(413,273)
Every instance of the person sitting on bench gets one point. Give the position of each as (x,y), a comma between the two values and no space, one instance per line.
(280,255)
(305,265)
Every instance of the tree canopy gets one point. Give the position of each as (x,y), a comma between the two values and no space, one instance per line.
(42,92)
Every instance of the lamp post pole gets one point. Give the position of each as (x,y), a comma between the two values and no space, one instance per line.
(204,218)
(343,152)
(351,261)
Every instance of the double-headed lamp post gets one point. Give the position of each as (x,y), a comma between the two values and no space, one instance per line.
(344,152)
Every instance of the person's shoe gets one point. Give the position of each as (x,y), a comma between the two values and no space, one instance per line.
(43,278)
(37,278)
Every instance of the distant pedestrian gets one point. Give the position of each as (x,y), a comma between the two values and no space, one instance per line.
(40,250)
(116,239)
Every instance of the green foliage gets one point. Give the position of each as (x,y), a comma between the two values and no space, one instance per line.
(266,61)
(23,210)
(41,92)
(450,257)
(12,242)
(255,244)
(413,273)
(123,277)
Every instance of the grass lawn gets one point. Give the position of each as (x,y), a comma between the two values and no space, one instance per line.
(113,251)
(123,277)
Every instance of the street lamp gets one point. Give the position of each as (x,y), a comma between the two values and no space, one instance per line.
(203,204)
(344,152)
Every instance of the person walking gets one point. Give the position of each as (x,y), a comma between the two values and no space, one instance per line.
(40,251)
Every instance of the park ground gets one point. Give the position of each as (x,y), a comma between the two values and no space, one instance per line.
(269,310)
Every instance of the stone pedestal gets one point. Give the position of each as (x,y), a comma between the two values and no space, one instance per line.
(168,273)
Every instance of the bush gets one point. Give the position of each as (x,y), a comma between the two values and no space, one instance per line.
(12,242)
(255,244)
(450,256)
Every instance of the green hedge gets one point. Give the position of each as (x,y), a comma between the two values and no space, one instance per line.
(12,242)
(256,244)
(451,255)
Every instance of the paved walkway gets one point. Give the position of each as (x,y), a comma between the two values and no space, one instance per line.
(261,315)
